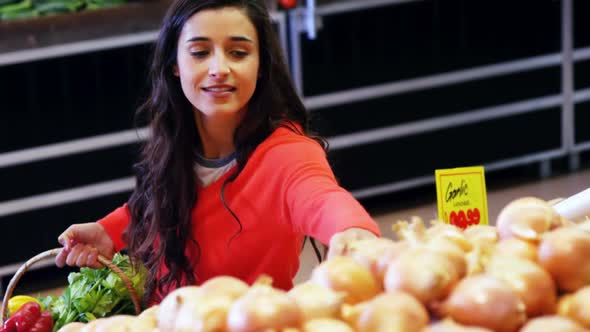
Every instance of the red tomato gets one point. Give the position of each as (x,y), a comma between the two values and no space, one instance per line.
(288,4)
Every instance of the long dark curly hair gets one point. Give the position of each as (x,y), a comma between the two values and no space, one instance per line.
(166,188)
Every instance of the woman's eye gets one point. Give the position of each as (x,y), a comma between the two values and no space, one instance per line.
(199,54)
(239,54)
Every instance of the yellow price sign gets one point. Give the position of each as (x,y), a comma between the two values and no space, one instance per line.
(461,196)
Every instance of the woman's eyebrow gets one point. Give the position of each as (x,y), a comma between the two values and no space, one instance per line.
(232,38)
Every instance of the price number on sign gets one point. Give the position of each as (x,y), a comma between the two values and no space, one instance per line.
(463,219)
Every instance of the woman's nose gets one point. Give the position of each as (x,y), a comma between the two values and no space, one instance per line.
(218,66)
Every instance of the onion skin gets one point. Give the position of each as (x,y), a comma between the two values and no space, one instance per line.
(326,325)
(576,306)
(449,325)
(386,258)
(72,327)
(532,283)
(452,252)
(344,274)
(150,315)
(369,252)
(388,312)
(517,247)
(551,324)
(426,274)
(565,254)
(172,304)
(449,233)
(486,301)
(230,286)
(486,235)
(317,301)
(526,218)
(264,308)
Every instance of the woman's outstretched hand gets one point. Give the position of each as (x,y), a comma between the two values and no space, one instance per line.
(340,241)
(82,243)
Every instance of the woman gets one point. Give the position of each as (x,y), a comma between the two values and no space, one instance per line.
(229,181)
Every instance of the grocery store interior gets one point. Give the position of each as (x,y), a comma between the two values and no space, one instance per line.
(400,88)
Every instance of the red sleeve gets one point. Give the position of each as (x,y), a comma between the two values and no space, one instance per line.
(115,224)
(317,204)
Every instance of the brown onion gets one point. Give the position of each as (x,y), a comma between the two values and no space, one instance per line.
(426,274)
(531,282)
(392,312)
(448,325)
(342,273)
(526,218)
(552,323)
(486,301)
(263,308)
(517,247)
(565,254)
(326,325)
(576,306)
(317,301)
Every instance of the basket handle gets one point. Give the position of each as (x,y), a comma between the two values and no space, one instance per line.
(51,253)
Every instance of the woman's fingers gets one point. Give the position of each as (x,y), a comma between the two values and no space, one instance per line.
(60,259)
(74,254)
(92,260)
(80,255)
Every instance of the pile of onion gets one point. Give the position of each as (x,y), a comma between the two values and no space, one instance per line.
(426,274)
(391,311)
(576,306)
(448,325)
(191,307)
(326,325)
(526,218)
(317,301)
(552,323)
(481,234)
(565,254)
(518,248)
(532,283)
(445,239)
(486,301)
(263,308)
(344,274)
(375,254)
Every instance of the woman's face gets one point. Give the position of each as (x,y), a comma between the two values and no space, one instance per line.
(218,61)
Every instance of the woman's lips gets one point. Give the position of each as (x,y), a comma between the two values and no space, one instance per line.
(219,91)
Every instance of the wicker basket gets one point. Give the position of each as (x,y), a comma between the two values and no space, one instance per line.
(52,253)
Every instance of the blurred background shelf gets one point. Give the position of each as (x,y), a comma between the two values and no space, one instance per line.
(135,22)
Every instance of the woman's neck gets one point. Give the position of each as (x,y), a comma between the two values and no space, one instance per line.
(217,134)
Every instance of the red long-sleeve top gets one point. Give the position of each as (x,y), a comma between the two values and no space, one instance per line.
(287,190)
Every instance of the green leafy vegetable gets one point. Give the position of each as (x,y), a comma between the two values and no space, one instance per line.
(96,293)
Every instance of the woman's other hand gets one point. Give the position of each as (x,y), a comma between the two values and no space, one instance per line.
(340,241)
(82,243)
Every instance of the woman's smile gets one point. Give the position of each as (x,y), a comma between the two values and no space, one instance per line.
(219,90)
